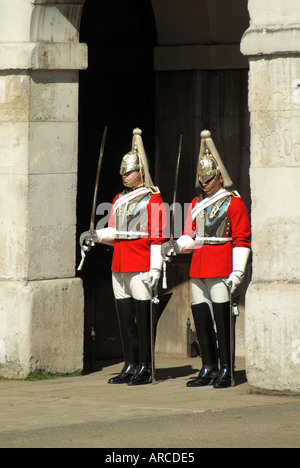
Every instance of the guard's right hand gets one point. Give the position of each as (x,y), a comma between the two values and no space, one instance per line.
(168,251)
(87,240)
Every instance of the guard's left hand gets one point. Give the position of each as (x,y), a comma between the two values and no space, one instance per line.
(234,280)
(151,279)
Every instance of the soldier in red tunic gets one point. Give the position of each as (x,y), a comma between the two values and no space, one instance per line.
(135,229)
(218,232)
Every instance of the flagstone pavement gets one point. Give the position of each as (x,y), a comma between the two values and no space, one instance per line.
(86,412)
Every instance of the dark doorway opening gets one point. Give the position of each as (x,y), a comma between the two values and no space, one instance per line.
(118,91)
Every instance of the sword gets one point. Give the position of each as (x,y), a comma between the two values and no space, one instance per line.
(232,333)
(92,222)
(172,229)
(232,320)
(154,301)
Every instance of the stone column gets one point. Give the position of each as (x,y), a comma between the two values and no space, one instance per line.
(273,300)
(41,307)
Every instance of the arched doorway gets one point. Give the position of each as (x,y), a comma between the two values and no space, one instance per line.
(116,90)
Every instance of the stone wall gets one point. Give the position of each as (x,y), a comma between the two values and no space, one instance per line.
(272,306)
(41,311)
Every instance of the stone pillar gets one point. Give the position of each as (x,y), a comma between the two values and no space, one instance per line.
(41,307)
(273,300)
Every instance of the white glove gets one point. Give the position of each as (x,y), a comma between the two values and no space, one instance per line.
(106,235)
(184,244)
(240,256)
(151,278)
(88,239)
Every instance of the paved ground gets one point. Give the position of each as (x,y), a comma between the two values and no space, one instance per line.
(86,412)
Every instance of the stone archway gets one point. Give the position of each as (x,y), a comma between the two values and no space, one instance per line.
(44,56)
(41,312)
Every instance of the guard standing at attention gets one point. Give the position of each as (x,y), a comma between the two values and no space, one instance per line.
(217,231)
(136,232)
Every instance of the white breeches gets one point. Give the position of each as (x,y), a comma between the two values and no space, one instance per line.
(127,285)
(209,290)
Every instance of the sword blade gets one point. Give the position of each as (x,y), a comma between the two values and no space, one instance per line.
(232,320)
(152,341)
(175,191)
(153,304)
(92,223)
(172,227)
(232,341)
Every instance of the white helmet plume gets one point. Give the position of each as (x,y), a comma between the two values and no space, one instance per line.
(138,146)
(209,150)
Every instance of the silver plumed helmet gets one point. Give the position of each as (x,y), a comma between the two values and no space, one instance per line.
(210,165)
(136,159)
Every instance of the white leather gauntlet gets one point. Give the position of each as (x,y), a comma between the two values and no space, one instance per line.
(240,257)
(156,261)
(184,244)
(106,235)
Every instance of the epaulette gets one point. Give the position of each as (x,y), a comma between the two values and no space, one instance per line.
(200,198)
(154,190)
(235,193)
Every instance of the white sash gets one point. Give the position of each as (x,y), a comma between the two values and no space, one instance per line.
(129,196)
(208,201)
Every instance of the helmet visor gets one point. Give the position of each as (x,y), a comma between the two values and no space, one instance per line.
(130,162)
(208,170)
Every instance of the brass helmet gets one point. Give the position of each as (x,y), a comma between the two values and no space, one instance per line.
(136,160)
(210,165)
(131,162)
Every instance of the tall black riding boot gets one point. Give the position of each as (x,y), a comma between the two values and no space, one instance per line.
(207,342)
(129,334)
(143,374)
(222,318)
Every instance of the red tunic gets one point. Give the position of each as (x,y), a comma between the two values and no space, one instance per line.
(215,261)
(133,255)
